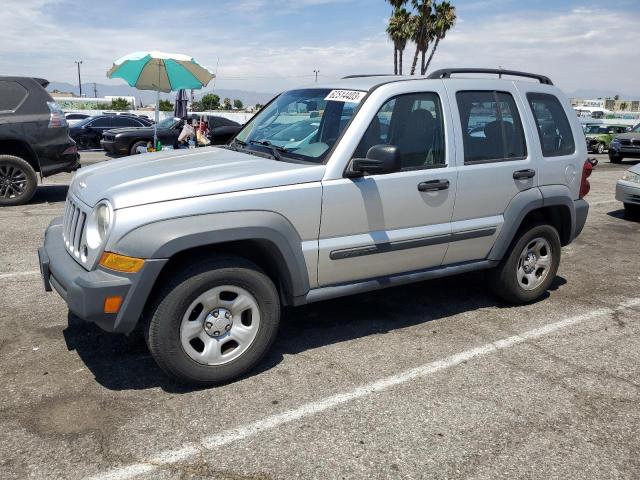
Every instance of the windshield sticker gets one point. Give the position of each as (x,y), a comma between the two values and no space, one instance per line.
(350,96)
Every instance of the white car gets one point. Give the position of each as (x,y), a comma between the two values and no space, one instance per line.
(628,190)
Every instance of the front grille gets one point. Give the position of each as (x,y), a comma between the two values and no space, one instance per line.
(625,142)
(73,226)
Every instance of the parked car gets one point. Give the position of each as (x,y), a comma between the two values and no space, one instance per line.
(206,250)
(34,138)
(626,145)
(74,117)
(628,190)
(126,141)
(599,137)
(88,132)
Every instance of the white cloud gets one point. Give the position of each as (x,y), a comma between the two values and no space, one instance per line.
(577,48)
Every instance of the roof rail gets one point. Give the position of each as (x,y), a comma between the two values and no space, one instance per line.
(447,72)
(369,75)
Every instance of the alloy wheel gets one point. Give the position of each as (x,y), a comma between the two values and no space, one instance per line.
(13,181)
(534,263)
(220,325)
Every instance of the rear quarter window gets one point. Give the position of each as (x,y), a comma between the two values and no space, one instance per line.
(552,124)
(12,94)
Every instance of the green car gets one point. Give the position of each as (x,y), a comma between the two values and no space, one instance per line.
(599,136)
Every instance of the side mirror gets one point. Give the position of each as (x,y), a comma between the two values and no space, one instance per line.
(381,159)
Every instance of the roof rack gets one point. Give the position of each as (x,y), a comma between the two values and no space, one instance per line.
(369,75)
(447,72)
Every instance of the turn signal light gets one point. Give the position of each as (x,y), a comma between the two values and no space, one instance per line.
(121,263)
(112,304)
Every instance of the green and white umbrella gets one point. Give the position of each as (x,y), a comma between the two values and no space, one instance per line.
(161,72)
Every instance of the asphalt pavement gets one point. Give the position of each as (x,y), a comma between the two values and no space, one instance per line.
(433,380)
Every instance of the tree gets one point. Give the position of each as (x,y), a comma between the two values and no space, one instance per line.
(238,104)
(445,19)
(227,104)
(210,101)
(120,104)
(259,106)
(166,106)
(399,31)
(422,31)
(196,107)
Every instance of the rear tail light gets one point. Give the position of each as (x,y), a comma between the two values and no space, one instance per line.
(71,150)
(587,169)
(56,118)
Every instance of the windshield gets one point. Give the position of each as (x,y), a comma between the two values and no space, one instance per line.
(636,129)
(596,129)
(168,122)
(301,124)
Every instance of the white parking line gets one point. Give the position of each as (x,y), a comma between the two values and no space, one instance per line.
(188,451)
(19,274)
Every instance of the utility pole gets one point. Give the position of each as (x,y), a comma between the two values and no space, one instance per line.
(78,63)
(316,72)
(95,90)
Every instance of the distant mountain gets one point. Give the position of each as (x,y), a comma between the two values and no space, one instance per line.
(148,96)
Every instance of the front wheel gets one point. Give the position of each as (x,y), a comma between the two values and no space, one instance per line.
(530,266)
(600,148)
(18,181)
(632,210)
(134,148)
(213,321)
(615,158)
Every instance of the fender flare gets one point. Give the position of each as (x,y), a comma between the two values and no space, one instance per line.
(166,238)
(27,146)
(524,203)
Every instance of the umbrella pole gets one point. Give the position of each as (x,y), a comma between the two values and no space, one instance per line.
(155,125)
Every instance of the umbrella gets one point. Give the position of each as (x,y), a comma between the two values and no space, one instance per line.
(161,72)
(180,107)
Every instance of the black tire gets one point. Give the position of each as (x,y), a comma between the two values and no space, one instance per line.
(18,181)
(600,148)
(505,282)
(134,148)
(615,158)
(631,210)
(162,330)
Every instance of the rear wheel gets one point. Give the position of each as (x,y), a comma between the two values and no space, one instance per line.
(530,266)
(18,181)
(213,321)
(134,148)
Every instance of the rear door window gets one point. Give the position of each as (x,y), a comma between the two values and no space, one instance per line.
(491,127)
(12,94)
(553,125)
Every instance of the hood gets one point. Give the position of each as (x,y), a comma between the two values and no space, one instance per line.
(177,174)
(635,168)
(136,130)
(629,136)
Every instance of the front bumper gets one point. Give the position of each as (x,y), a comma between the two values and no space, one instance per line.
(113,147)
(85,292)
(628,192)
(628,151)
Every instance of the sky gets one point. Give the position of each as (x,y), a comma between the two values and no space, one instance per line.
(273,45)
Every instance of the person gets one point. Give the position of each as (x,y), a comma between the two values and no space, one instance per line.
(187,133)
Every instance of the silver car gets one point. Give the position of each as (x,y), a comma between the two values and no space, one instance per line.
(403,180)
(628,190)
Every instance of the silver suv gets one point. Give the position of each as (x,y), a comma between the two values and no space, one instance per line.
(360,184)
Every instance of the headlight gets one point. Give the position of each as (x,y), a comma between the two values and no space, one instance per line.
(629,176)
(99,224)
(615,140)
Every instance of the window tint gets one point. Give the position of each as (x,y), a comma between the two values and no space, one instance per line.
(491,127)
(11,95)
(414,124)
(122,121)
(101,122)
(553,126)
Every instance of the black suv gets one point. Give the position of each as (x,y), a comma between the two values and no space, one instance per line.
(34,137)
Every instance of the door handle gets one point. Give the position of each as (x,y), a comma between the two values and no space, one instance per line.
(433,185)
(524,174)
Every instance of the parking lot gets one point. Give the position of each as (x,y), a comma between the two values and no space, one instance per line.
(433,380)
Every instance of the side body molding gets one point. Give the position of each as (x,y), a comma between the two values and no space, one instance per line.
(165,238)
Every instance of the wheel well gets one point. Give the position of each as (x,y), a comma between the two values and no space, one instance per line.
(261,252)
(558,216)
(19,149)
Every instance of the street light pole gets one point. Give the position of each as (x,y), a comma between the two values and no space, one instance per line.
(316,72)
(78,63)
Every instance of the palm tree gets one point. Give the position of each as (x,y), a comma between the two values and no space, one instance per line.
(422,30)
(398,31)
(394,30)
(445,19)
